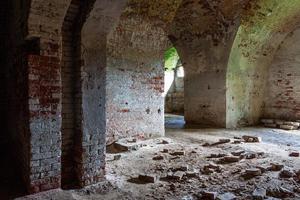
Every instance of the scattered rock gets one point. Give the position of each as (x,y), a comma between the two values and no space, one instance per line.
(165,151)
(288,127)
(298,174)
(251,173)
(178,153)
(227,196)
(147,178)
(143,179)
(120,147)
(237,142)
(183,168)
(286,174)
(191,174)
(163,142)
(209,195)
(116,148)
(280,193)
(117,157)
(211,168)
(259,194)
(221,141)
(219,155)
(131,140)
(252,155)
(263,169)
(276,167)
(277,123)
(237,153)
(294,154)
(295,124)
(159,157)
(229,159)
(177,176)
(251,139)
(206,144)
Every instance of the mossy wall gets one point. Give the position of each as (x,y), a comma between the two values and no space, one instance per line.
(264,25)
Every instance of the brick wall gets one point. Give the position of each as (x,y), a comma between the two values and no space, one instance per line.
(282,98)
(100,21)
(135,80)
(70,95)
(204,50)
(44,82)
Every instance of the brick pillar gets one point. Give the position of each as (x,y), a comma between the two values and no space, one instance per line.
(44,122)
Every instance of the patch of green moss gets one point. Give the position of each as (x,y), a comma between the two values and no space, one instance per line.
(171,59)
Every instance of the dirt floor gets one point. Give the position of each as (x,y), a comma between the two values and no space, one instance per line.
(191,164)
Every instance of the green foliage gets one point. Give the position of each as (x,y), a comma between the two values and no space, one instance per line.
(171,59)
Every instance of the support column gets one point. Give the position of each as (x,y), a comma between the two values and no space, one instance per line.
(44,122)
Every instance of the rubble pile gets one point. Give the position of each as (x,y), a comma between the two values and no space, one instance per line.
(220,170)
(281,124)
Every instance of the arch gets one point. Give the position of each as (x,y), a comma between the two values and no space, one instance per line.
(281,99)
(85,27)
(71,95)
(99,22)
(257,40)
(204,49)
(135,70)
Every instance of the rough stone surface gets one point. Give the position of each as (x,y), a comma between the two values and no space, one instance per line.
(259,194)
(78,75)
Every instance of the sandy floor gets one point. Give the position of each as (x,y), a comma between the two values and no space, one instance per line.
(191,180)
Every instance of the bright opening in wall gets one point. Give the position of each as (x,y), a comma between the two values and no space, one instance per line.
(180,72)
(174,90)
(171,60)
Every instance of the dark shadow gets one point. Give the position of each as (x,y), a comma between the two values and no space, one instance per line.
(11,184)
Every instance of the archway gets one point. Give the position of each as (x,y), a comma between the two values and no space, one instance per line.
(83,82)
(254,47)
(174,90)
(281,100)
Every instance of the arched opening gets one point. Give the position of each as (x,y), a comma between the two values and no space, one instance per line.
(174,90)
(84,32)
(255,45)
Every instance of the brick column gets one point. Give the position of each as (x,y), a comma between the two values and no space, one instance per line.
(44,122)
